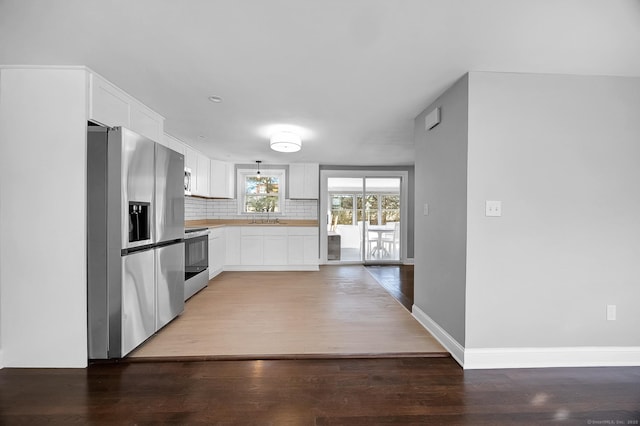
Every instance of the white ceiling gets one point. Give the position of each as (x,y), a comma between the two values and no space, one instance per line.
(352,74)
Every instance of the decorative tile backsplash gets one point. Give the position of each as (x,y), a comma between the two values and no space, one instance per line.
(199,208)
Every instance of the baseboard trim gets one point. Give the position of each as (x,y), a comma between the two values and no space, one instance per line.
(486,358)
(445,339)
(1,360)
(254,268)
(494,358)
(409,261)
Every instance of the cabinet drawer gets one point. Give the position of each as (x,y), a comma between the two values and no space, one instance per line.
(303,231)
(275,231)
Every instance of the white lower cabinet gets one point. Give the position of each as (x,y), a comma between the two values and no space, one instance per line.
(217,251)
(276,248)
(251,252)
(274,244)
(232,252)
(303,246)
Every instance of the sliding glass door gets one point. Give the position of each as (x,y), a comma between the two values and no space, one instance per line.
(381,221)
(364,218)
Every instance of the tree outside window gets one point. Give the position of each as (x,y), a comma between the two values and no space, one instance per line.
(261,194)
(376,209)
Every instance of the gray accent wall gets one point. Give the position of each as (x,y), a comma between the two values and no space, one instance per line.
(440,237)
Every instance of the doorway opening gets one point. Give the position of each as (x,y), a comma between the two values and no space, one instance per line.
(364,217)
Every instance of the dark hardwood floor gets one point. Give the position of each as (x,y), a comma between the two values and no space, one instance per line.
(385,391)
(407,391)
(397,280)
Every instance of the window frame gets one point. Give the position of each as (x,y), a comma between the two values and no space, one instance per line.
(241,193)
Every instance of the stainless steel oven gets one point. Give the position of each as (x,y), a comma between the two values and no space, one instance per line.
(196,260)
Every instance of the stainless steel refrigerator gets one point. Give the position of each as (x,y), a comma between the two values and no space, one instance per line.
(135,248)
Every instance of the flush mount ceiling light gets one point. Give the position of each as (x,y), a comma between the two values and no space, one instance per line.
(286,142)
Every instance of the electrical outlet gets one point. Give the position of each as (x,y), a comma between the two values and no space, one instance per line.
(493,208)
(611,312)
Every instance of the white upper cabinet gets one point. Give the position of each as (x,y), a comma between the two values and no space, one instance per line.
(199,165)
(203,175)
(174,144)
(222,179)
(146,122)
(304,180)
(190,160)
(110,106)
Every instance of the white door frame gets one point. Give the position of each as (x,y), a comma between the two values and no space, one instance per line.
(324,201)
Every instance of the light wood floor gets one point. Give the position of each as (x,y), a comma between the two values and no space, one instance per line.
(338,311)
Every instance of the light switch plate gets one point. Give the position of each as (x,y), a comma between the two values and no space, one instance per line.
(426,209)
(493,208)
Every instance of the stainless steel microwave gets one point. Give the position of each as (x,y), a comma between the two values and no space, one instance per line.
(187,181)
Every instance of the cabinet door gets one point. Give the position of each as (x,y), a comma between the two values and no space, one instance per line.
(177,146)
(311,181)
(296,249)
(111,106)
(251,250)
(108,105)
(146,122)
(216,252)
(296,181)
(303,246)
(190,158)
(232,244)
(221,179)
(174,144)
(310,250)
(202,175)
(219,253)
(212,256)
(275,250)
(303,181)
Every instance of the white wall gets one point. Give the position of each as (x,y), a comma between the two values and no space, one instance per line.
(440,237)
(42,218)
(562,154)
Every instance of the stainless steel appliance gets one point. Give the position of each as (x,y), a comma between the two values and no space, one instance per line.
(196,260)
(135,248)
(187,181)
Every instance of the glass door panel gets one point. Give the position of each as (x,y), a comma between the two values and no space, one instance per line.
(382,227)
(344,235)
